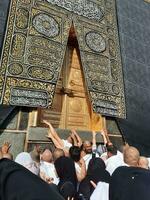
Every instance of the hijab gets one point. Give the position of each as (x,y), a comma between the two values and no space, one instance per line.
(65,169)
(18,183)
(97,173)
(67,189)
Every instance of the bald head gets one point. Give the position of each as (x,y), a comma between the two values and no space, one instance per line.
(131,156)
(47,156)
(143,162)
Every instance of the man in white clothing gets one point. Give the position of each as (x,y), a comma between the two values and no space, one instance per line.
(90,149)
(115,159)
(47,169)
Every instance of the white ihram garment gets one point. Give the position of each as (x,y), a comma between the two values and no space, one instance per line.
(25,160)
(101,192)
(114,162)
(49,170)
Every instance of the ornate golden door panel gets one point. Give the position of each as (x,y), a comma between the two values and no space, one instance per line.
(70,108)
(34,48)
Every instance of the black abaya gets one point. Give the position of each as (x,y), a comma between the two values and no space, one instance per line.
(130,183)
(18,183)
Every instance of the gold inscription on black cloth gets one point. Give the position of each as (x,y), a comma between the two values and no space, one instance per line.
(33,53)
(101,60)
(35,44)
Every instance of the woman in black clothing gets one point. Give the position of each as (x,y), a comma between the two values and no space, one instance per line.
(65,169)
(18,183)
(97,173)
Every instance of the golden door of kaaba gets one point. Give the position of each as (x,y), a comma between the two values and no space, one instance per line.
(71,108)
(41,68)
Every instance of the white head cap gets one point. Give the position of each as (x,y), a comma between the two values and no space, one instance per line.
(25,160)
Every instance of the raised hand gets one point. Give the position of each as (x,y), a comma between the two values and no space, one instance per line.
(5,147)
(74,132)
(78,139)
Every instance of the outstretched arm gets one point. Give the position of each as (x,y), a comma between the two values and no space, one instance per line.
(104,133)
(81,175)
(79,140)
(53,134)
(94,140)
(56,143)
(75,142)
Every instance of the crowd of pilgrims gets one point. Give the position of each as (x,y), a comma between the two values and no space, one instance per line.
(75,170)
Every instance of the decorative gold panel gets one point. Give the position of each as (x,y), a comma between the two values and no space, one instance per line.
(35,44)
(70,109)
